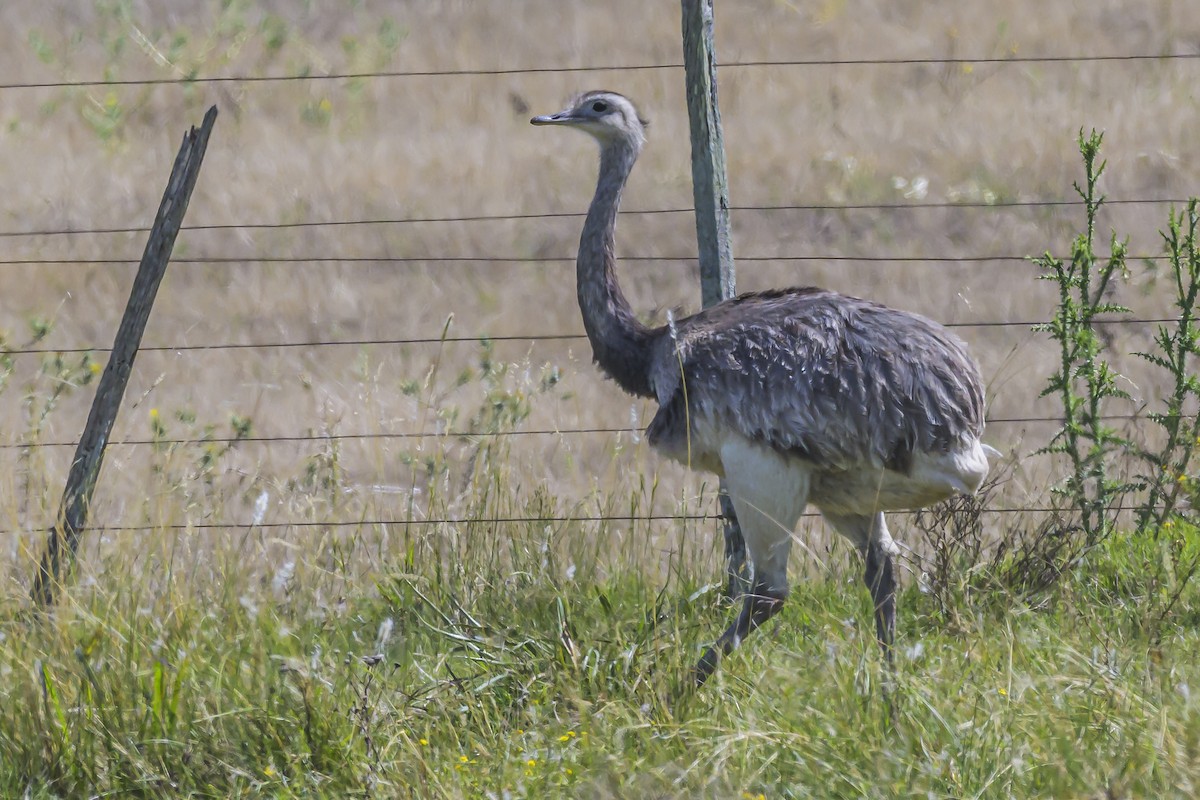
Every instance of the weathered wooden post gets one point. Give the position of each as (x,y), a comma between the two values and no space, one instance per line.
(711,192)
(63,539)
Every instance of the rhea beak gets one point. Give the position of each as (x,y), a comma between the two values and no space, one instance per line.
(560,118)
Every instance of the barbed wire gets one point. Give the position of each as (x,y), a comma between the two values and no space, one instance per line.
(949,204)
(486,72)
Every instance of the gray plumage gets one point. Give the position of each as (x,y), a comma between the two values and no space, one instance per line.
(831,379)
(794,396)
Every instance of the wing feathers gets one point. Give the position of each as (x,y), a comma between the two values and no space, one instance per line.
(834,379)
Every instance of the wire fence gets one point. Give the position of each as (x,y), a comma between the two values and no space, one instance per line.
(995,205)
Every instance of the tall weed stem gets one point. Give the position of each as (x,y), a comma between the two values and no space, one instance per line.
(1084,380)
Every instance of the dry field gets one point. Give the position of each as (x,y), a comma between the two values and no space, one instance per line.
(460,146)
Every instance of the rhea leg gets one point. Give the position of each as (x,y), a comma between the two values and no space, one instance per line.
(881,580)
(758,606)
(768,494)
(870,535)
(737,571)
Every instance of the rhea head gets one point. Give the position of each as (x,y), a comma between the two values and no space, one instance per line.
(608,116)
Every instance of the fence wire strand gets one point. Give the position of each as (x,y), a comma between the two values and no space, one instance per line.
(473,339)
(754,259)
(506,520)
(449,434)
(503,71)
(548,215)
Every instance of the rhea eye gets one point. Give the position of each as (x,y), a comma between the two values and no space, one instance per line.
(599,106)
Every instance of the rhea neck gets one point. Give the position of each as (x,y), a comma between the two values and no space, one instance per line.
(620,344)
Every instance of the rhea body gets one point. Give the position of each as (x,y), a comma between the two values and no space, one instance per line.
(793,396)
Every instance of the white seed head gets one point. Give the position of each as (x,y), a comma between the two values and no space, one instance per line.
(283,576)
(385,633)
(918,189)
(260,508)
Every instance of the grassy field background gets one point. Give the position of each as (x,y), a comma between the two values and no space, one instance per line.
(196,653)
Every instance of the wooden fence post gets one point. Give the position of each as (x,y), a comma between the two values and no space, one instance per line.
(711,193)
(63,538)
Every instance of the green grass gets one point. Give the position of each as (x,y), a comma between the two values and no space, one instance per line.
(501,677)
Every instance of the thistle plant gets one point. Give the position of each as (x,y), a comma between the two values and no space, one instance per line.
(1085,381)
(1178,343)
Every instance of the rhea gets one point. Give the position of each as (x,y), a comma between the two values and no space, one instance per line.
(793,396)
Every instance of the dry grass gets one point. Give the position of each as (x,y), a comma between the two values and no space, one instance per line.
(460,146)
